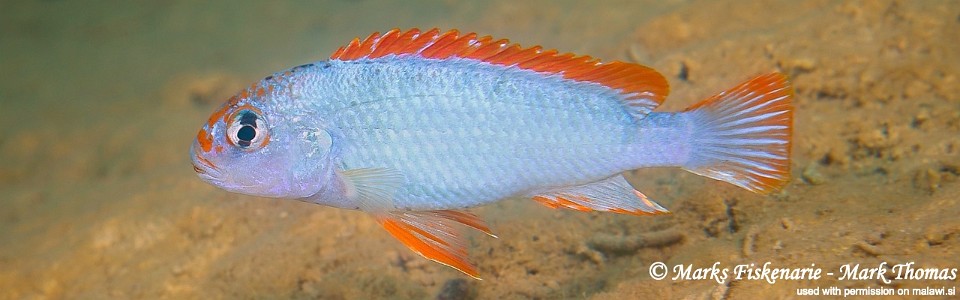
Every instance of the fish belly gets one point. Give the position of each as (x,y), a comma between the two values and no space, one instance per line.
(465,133)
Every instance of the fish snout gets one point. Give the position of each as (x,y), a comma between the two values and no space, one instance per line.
(205,168)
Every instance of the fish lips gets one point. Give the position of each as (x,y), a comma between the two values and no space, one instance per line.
(206,169)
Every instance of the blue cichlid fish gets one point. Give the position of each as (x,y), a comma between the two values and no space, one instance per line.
(413,127)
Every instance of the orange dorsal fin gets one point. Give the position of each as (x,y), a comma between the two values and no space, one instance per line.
(434,234)
(643,87)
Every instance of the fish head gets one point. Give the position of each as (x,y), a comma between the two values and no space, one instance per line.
(251,146)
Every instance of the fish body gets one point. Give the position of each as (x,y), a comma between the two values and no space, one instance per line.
(465,133)
(411,127)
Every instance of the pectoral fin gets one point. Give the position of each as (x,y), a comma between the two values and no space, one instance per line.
(372,188)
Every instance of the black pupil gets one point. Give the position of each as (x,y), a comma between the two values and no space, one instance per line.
(246,134)
(248,128)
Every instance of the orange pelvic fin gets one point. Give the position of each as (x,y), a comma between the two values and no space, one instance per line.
(434,234)
(613,194)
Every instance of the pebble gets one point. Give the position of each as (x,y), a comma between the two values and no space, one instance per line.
(868,249)
(812,176)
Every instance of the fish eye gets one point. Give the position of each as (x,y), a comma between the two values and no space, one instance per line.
(247,130)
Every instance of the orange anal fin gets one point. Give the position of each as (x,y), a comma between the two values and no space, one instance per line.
(435,235)
(546,201)
(613,194)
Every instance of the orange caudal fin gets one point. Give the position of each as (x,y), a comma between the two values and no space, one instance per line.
(435,235)
(743,135)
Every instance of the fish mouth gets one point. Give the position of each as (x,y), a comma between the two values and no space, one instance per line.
(207,170)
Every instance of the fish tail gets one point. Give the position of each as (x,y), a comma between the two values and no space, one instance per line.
(743,135)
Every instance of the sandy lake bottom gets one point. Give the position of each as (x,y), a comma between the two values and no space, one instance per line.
(98,107)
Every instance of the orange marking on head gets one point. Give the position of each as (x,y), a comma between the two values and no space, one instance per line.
(205,140)
(219,114)
(630,79)
(238,109)
(266,141)
(205,161)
